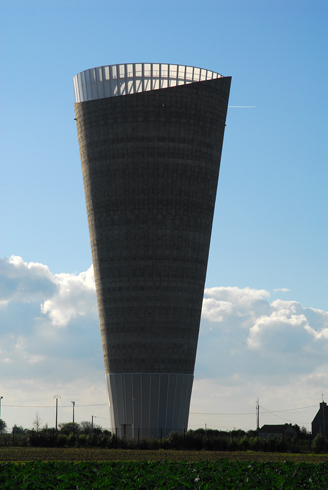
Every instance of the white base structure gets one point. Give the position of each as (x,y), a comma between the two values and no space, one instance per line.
(149,404)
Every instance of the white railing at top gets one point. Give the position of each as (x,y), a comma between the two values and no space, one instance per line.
(130,78)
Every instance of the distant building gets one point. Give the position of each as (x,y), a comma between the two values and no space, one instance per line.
(277,431)
(320,421)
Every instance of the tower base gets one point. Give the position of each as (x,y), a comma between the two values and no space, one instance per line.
(149,404)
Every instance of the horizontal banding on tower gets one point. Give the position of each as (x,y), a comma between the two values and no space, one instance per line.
(150,162)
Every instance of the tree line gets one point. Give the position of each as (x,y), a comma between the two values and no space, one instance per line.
(85,434)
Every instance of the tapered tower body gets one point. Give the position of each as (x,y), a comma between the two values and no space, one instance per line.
(150,138)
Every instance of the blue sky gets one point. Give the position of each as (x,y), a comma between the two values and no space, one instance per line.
(269,232)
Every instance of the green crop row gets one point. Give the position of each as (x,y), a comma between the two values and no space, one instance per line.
(164,475)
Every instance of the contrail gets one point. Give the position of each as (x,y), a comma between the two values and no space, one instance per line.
(242,106)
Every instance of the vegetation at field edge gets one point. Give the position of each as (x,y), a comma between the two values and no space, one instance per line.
(28,454)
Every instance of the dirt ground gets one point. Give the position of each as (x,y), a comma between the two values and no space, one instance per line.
(24,454)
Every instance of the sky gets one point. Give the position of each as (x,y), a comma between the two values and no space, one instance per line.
(264,327)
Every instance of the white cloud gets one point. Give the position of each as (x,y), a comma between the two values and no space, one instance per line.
(33,352)
(242,331)
(24,282)
(61,297)
(248,347)
(221,303)
(75,296)
(322,334)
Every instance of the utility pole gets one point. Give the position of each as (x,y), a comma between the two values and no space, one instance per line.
(73,417)
(257,414)
(92,417)
(57,397)
(0,405)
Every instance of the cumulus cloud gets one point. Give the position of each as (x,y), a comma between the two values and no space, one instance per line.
(24,282)
(60,296)
(242,330)
(35,303)
(75,296)
(249,346)
(221,303)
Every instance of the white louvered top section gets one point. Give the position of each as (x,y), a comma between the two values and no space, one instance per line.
(130,78)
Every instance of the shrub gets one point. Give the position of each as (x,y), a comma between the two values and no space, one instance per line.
(71,440)
(92,440)
(62,440)
(82,440)
(143,443)
(319,444)
(244,443)
(192,442)
(174,440)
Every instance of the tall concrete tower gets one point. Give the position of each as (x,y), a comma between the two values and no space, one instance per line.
(150,138)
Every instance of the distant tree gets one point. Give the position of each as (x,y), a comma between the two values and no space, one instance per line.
(37,422)
(97,430)
(18,429)
(67,428)
(252,433)
(86,427)
(3,426)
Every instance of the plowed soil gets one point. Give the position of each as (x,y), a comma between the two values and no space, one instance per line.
(24,454)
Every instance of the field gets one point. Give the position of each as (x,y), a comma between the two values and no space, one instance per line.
(75,455)
(77,468)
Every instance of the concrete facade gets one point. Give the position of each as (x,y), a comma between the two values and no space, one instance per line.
(150,164)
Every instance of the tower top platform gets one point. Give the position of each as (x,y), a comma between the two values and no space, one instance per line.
(130,78)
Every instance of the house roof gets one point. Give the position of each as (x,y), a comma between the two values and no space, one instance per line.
(276,429)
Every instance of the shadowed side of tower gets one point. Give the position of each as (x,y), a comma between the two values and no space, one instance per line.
(150,163)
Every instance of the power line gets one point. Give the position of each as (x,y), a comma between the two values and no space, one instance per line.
(278,416)
(220,426)
(292,409)
(210,413)
(191,413)
(252,413)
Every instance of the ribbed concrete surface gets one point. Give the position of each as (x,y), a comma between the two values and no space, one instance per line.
(150,165)
(149,404)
